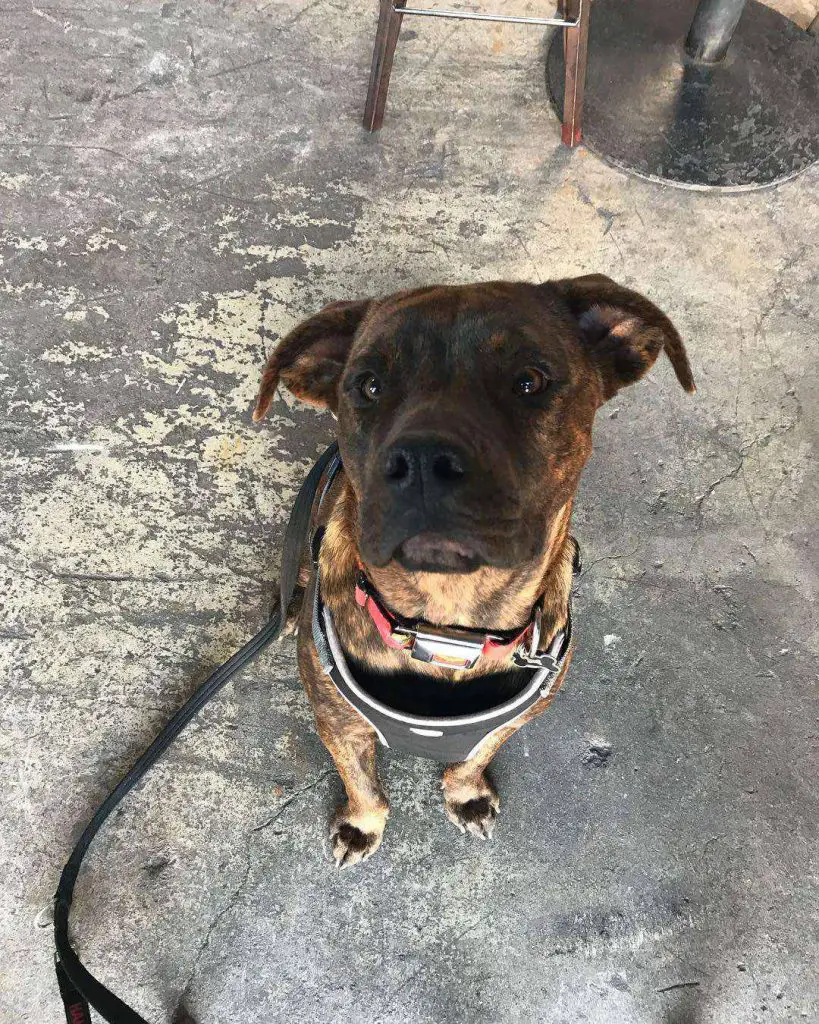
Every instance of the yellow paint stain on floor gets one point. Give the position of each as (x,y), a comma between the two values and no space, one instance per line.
(223,449)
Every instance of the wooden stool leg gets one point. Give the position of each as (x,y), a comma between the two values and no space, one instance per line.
(386,37)
(575,47)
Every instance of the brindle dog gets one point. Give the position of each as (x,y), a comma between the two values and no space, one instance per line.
(464,420)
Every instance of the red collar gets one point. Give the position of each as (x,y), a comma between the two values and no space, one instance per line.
(448,646)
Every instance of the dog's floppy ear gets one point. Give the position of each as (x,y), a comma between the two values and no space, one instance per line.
(622,331)
(310,359)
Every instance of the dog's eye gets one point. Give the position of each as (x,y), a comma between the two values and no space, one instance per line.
(530,381)
(370,387)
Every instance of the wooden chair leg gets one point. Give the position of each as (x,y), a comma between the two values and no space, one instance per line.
(386,37)
(575,48)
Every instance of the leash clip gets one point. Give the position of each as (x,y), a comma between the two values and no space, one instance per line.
(533,658)
(540,659)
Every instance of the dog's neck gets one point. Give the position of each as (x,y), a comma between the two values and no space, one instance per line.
(487,599)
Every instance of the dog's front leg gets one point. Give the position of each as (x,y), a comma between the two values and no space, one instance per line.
(470,798)
(358,824)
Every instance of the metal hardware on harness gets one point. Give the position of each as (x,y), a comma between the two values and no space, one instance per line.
(511,19)
(533,658)
(456,647)
(538,659)
(445,648)
(550,659)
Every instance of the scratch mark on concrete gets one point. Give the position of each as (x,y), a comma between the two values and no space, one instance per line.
(76,446)
(289,800)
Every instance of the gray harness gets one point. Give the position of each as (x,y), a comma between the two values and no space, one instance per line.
(448,738)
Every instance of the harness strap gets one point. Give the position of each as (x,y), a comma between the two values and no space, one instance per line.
(446,738)
(78,987)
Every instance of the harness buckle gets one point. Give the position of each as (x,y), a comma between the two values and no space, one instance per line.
(540,659)
(446,648)
(532,657)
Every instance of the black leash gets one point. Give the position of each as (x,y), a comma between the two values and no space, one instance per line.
(78,987)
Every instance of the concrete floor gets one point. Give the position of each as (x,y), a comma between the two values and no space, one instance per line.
(180,184)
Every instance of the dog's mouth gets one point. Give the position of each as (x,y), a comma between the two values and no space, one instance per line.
(435,552)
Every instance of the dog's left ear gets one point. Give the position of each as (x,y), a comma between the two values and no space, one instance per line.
(622,331)
(309,361)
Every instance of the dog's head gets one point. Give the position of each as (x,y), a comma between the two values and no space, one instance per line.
(465,413)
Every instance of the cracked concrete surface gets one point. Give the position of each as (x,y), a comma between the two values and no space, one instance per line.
(181,183)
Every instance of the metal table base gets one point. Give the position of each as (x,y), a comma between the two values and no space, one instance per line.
(747,121)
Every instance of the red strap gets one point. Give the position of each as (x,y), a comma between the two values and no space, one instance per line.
(387,626)
(498,650)
(384,622)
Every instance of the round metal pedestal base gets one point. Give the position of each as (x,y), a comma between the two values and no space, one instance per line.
(748,122)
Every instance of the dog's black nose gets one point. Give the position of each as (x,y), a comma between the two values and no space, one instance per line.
(428,466)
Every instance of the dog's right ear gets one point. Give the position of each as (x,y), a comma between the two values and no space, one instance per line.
(622,331)
(310,359)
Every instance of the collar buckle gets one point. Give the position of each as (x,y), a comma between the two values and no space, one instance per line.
(447,648)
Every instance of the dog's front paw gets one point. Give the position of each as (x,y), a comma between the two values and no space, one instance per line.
(471,805)
(354,838)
